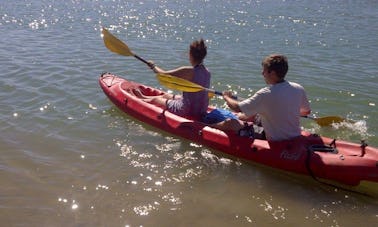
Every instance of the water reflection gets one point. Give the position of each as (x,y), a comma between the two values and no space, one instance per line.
(161,164)
(67,159)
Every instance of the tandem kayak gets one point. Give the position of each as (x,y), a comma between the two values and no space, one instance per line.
(338,163)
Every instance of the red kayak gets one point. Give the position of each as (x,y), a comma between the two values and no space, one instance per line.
(342,164)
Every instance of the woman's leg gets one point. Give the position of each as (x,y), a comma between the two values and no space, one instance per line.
(159,101)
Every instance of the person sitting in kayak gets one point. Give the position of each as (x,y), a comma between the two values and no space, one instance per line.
(189,104)
(279,105)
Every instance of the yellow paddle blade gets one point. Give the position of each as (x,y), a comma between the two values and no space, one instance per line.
(115,45)
(177,83)
(329,120)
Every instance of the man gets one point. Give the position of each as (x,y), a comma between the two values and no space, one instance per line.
(279,105)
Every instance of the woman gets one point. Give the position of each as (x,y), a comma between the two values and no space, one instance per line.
(189,104)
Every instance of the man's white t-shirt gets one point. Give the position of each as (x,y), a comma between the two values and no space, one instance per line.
(279,107)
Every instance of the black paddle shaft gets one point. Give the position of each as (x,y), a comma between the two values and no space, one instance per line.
(141,59)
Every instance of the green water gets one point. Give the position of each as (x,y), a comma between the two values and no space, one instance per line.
(70,158)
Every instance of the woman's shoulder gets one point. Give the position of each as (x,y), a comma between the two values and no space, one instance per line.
(185,72)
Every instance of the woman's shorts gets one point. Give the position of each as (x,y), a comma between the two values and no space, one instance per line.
(178,107)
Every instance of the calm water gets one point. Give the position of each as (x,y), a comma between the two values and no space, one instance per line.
(70,158)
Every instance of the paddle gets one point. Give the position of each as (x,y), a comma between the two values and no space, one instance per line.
(326,121)
(180,84)
(117,46)
(188,86)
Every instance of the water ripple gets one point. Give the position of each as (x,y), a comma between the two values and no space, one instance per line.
(67,150)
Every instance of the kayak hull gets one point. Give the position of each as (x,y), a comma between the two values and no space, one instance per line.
(343,164)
